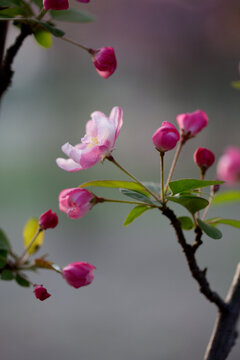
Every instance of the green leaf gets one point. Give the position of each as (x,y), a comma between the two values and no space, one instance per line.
(130,185)
(4,242)
(71,15)
(43,38)
(3,258)
(7,3)
(136,195)
(11,12)
(153,187)
(236,84)
(225,197)
(211,231)
(230,222)
(179,186)
(191,203)
(50,28)
(7,275)
(22,281)
(186,222)
(135,213)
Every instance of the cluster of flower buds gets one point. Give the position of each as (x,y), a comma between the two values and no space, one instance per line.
(77,274)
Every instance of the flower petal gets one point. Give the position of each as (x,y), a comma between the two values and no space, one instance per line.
(116,116)
(68,165)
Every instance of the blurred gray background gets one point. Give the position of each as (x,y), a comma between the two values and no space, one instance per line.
(173,56)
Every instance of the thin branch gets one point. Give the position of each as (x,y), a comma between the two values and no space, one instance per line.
(6,72)
(189,252)
(225,333)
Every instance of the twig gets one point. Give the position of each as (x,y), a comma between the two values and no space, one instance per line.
(225,333)
(6,72)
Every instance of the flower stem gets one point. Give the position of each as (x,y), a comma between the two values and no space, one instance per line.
(76,44)
(209,204)
(111,158)
(23,258)
(162,175)
(175,159)
(126,202)
(42,13)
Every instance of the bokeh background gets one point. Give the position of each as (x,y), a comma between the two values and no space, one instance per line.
(173,56)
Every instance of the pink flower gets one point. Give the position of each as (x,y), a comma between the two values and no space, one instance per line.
(48,220)
(41,293)
(98,143)
(78,274)
(191,123)
(76,202)
(55,4)
(204,158)
(166,137)
(105,61)
(228,167)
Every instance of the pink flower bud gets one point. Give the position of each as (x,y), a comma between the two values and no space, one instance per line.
(55,4)
(191,123)
(105,61)
(166,137)
(228,167)
(76,202)
(204,158)
(41,293)
(78,274)
(48,220)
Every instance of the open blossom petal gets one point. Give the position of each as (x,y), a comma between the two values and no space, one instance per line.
(99,141)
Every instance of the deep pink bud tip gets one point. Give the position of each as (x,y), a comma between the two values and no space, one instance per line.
(166,137)
(41,293)
(105,61)
(48,220)
(78,274)
(204,158)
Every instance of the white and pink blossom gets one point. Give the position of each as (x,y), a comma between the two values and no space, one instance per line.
(98,143)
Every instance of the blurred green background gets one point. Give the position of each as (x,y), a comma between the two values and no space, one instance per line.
(174,56)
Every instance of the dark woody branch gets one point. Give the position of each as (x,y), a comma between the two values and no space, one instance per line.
(189,252)
(6,72)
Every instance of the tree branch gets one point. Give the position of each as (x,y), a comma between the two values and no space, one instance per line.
(6,72)
(225,333)
(189,252)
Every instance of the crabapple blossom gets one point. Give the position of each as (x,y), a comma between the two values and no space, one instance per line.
(76,202)
(48,220)
(104,60)
(204,158)
(78,274)
(228,167)
(98,143)
(192,123)
(166,137)
(41,293)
